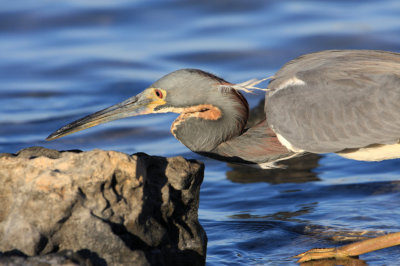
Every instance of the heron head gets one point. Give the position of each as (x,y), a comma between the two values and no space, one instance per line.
(199,97)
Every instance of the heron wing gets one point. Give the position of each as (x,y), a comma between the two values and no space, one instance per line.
(336,100)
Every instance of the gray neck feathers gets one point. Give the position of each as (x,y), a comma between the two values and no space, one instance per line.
(203,135)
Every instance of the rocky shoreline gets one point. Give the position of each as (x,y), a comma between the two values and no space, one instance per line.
(99,208)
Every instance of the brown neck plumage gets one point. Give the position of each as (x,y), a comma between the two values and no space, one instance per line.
(257,145)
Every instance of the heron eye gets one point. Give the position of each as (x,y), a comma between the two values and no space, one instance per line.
(158,93)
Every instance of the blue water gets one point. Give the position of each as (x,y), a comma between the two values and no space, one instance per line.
(61,60)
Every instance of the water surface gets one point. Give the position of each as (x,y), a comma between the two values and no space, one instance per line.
(63,60)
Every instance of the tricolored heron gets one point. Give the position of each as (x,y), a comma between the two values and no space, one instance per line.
(338,101)
(346,102)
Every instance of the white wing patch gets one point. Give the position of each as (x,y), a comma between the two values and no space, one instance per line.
(287,144)
(274,164)
(293,81)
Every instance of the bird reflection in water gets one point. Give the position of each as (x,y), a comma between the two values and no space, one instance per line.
(296,170)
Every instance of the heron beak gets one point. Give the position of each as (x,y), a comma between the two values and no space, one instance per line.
(141,104)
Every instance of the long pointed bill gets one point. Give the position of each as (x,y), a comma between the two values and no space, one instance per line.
(140,104)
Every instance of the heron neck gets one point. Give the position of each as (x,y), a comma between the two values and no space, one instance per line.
(258,145)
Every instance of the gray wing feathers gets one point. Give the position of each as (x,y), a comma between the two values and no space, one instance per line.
(349,99)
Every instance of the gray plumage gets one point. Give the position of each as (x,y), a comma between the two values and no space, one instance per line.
(349,99)
(330,101)
(193,87)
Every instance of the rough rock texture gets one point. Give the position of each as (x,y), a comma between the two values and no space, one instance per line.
(100,208)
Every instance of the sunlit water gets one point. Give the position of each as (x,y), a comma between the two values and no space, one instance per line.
(62,60)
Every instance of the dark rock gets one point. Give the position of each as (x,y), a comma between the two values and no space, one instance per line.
(103,207)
